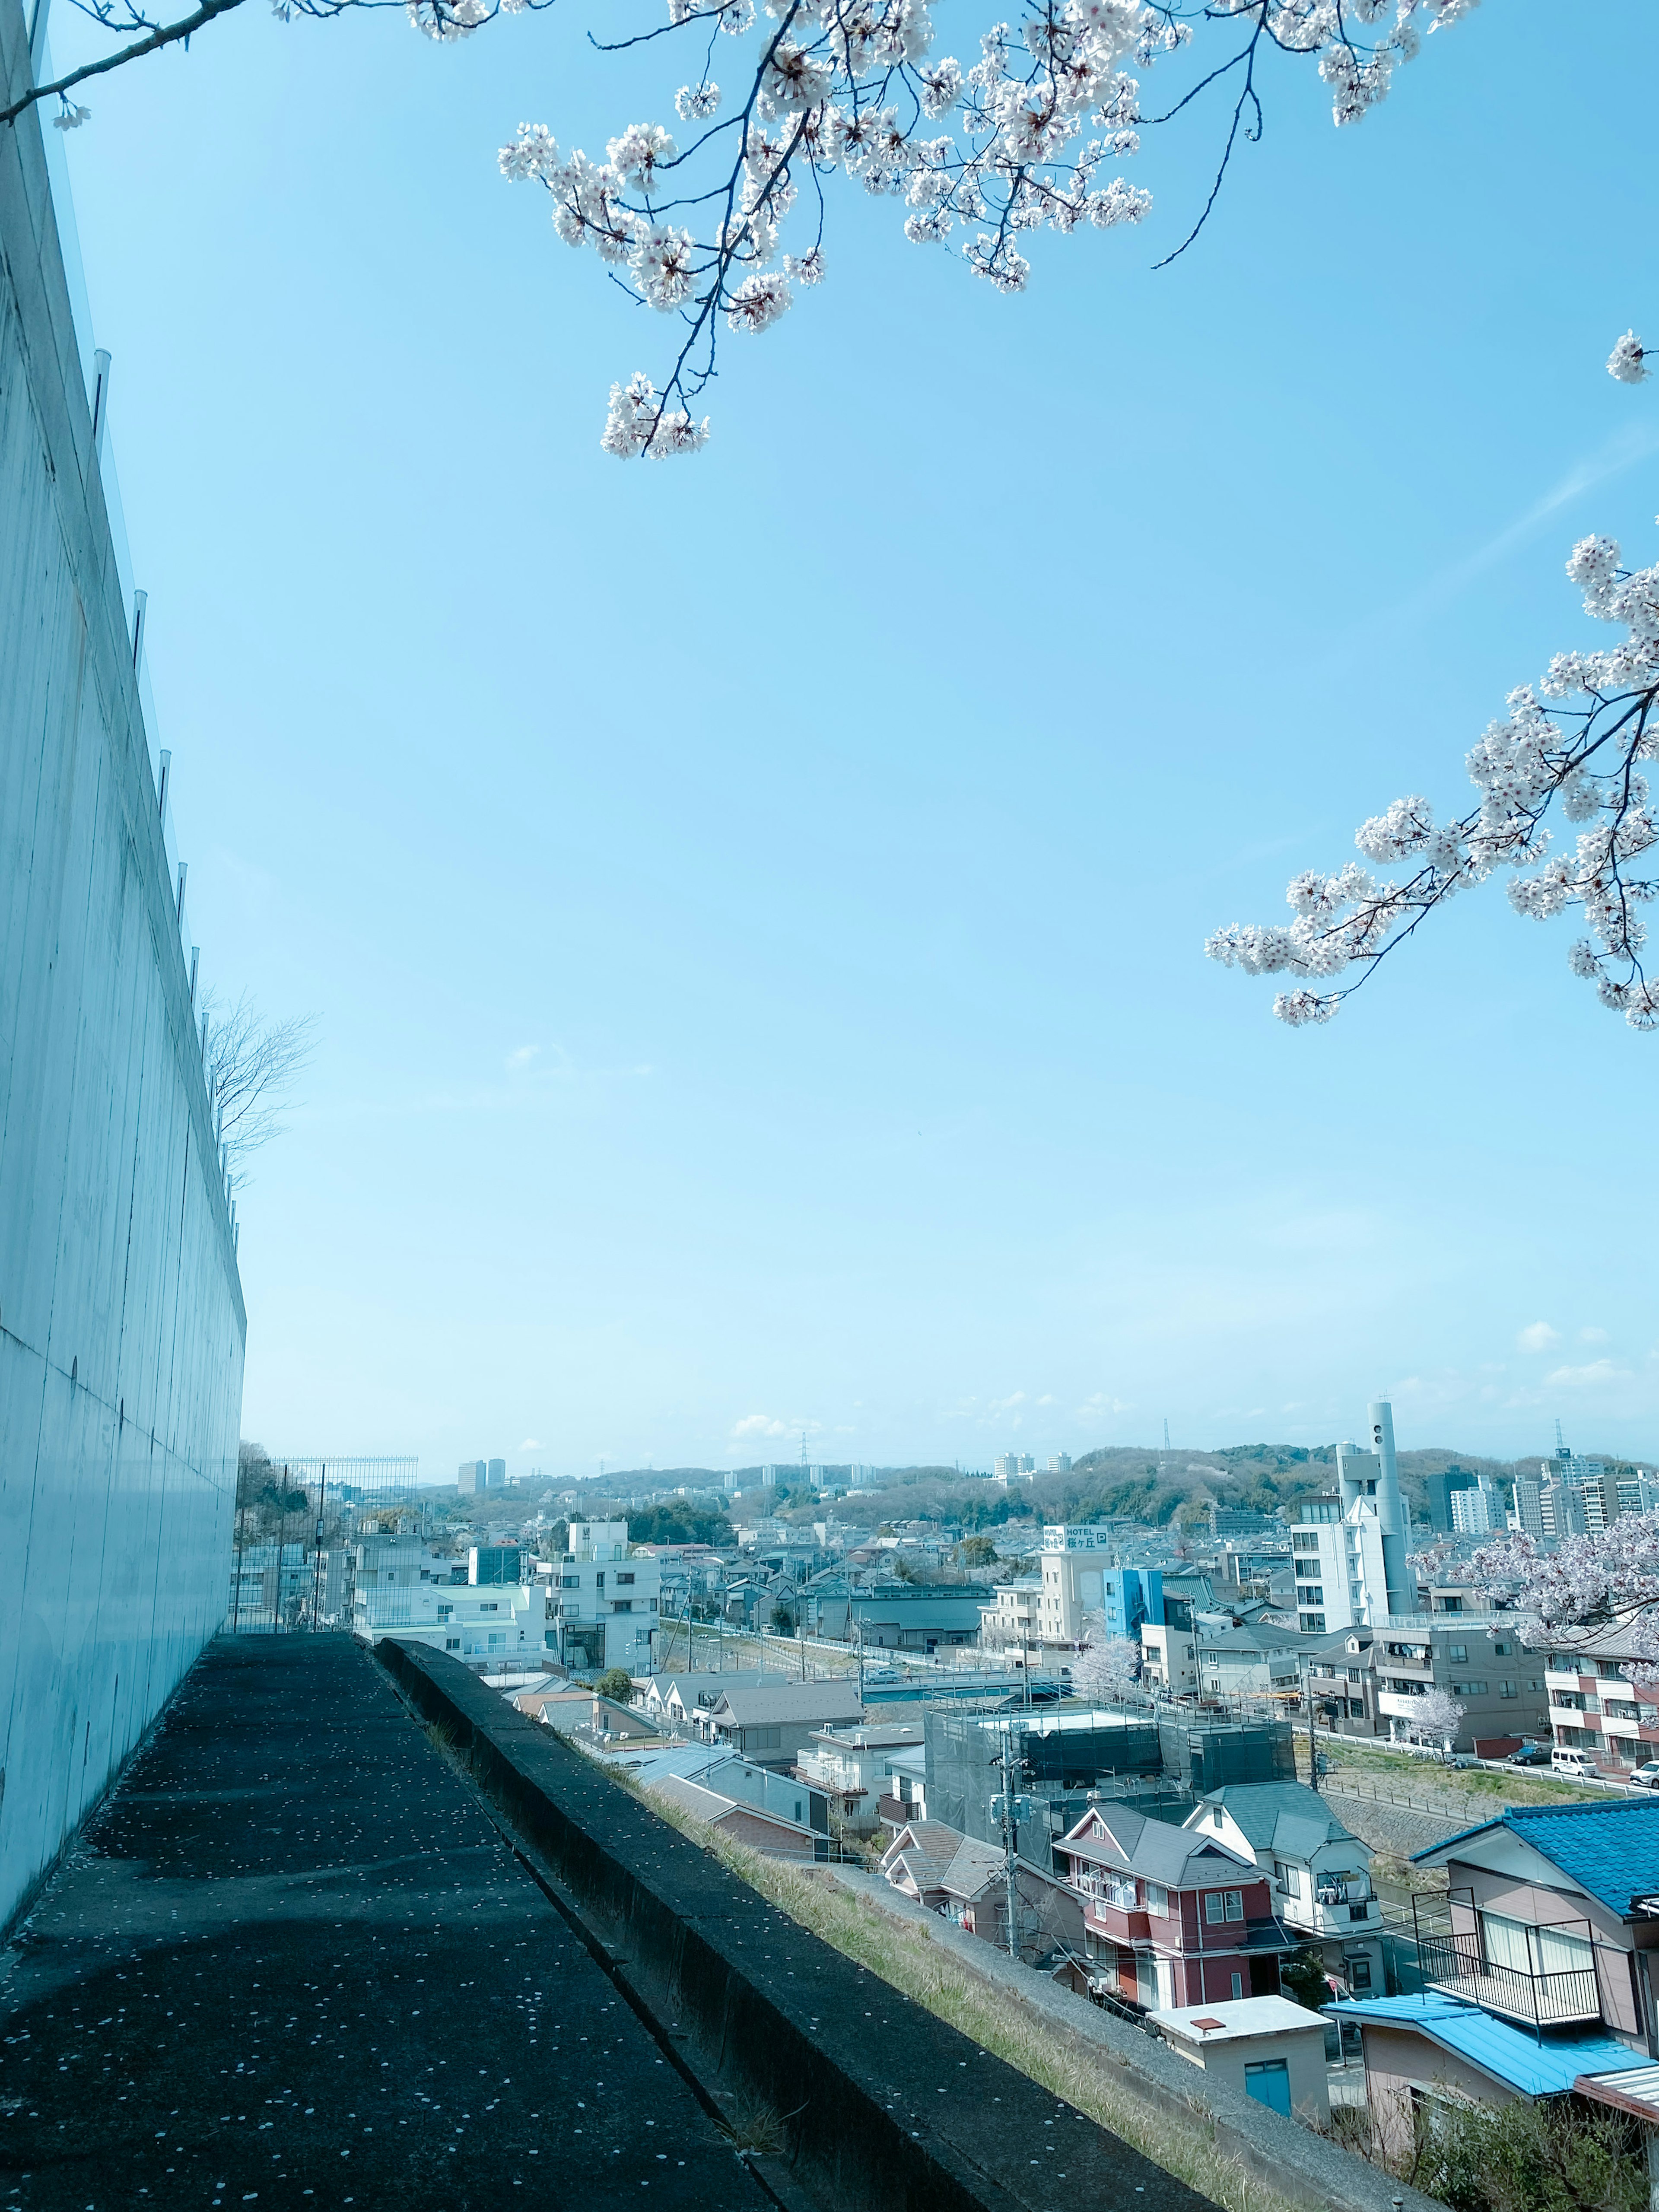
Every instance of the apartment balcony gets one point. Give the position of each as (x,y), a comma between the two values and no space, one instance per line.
(1454,1963)
(1333,1919)
(1118,1921)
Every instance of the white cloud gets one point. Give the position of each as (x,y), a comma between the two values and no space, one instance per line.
(759,1425)
(1592,1336)
(531,1443)
(523,1056)
(1587,1379)
(1538,1336)
(1100,1406)
(1046,1399)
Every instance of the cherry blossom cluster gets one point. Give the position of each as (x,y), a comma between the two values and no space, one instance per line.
(1576,741)
(1612,1576)
(1106,1667)
(1436,1717)
(726,230)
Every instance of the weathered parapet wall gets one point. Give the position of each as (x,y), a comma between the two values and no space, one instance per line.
(884,2106)
(121,1318)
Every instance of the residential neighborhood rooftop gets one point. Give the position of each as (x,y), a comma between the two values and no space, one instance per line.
(1287,1817)
(1236,2018)
(1527,2063)
(1154,1849)
(1611,1850)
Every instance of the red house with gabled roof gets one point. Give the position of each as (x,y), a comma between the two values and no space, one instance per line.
(1171,1917)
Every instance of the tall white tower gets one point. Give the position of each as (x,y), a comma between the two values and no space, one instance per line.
(1390,1512)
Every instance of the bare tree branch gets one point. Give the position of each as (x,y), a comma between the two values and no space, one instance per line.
(168,35)
(252,1067)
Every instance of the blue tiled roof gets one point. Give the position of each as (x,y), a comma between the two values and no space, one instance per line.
(1611,1850)
(1507,2054)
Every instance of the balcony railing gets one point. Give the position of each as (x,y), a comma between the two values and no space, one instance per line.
(1454,1963)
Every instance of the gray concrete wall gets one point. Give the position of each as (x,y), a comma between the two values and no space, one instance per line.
(121,1318)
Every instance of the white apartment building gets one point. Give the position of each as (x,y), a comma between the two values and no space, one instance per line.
(1169,1658)
(603,1605)
(1479,1511)
(1016,1615)
(1348,1550)
(404,1589)
(1073,1559)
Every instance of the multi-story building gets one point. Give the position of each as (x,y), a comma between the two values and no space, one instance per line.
(1172,1916)
(854,1765)
(1015,1616)
(1594,1706)
(401,1589)
(1348,1547)
(1479,1510)
(1496,1680)
(1073,1562)
(1240,1660)
(1443,1486)
(605,1603)
(1169,1658)
(1321,1874)
(1015,1467)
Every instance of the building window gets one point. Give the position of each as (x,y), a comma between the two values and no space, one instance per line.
(622,1605)
(1238,1992)
(1506,1689)
(1289,1878)
(1457,1653)
(490,1609)
(452,1644)
(1360,1972)
(1310,1594)
(1157,1897)
(1468,1689)
(570,1581)
(1313,1624)
(1223,1905)
(625,1578)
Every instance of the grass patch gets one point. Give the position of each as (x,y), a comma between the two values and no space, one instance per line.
(1422,1777)
(910,1959)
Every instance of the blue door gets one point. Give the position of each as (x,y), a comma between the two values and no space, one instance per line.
(1269,2083)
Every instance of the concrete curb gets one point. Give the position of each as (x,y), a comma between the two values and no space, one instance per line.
(884,2107)
(1306,2168)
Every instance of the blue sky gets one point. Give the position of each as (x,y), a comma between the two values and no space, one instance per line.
(755,905)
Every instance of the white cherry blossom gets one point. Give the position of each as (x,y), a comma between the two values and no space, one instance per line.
(1578,741)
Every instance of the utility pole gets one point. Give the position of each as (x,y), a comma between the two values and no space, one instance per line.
(1312,1746)
(317,1569)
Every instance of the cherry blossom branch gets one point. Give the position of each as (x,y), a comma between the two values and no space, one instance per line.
(1585,758)
(849,85)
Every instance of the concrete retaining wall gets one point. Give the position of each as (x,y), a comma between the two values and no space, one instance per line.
(121,1318)
(1395,1828)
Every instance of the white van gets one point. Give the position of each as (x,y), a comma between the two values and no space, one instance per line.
(1575,1765)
